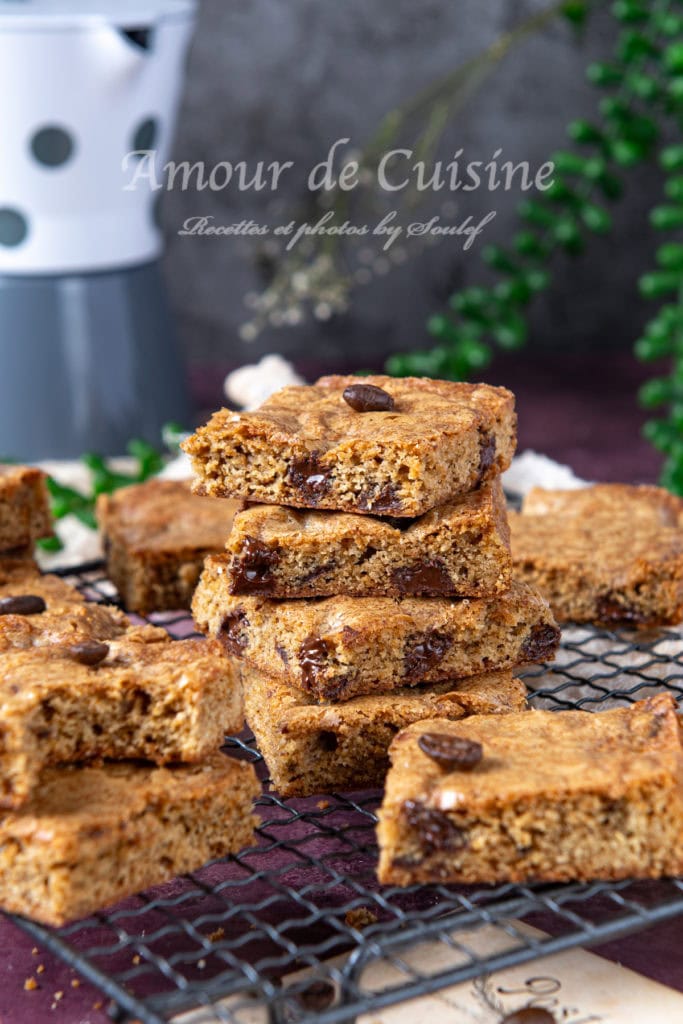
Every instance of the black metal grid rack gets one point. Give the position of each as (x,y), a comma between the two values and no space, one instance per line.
(295,928)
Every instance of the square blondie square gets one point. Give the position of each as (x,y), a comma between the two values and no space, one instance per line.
(336,648)
(92,835)
(415,444)
(609,554)
(41,610)
(156,536)
(544,796)
(458,549)
(138,696)
(321,748)
(24,507)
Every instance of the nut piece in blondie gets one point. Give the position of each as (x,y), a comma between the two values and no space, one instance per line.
(24,507)
(319,748)
(419,444)
(341,647)
(92,835)
(156,536)
(608,554)
(544,796)
(158,699)
(459,549)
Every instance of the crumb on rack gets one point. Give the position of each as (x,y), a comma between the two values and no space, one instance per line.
(40,969)
(30,984)
(216,935)
(322,805)
(359,918)
(75,983)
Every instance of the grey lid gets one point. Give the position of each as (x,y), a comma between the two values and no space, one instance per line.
(28,15)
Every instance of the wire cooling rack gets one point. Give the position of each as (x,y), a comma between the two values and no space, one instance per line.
(296,929)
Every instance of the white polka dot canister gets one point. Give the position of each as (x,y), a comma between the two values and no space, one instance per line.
(85,83)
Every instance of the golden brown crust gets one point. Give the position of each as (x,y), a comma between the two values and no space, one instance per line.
(458,549)
(92,835)
(610,553)
(556,796)
(341,647)
(156,536)
(307,448)
(319,748)
(24,507)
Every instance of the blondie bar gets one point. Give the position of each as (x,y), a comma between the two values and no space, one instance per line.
(413,444)
(608,554)
(24,507)
(461,549)
(94,834)
(156,536)
(37,610)
(546,796)
(158,699)
(317,748)
(340,647)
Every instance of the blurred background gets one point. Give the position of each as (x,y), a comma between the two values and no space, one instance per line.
(271,81)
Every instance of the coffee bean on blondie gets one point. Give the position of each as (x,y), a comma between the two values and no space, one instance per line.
(450,751)
(368,398)
(22,604)
(90,652)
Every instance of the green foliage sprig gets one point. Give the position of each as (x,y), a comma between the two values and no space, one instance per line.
(641,90)
(65,501)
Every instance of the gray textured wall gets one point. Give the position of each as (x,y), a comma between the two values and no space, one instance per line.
(281,80)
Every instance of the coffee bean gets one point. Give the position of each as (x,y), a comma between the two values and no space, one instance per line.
(529,1015)
(90,652)
(368,398)
(450,751)
(22,604)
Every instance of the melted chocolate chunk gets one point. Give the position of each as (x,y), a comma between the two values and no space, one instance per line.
(90,652)
(529,1015)
(318,995)
(397,522)
(541,643)
(368,398)
(450,751)
(22,604)
(436,830)
(231,633)
(487,454)
(383,500)
(254,569)
(328,741)
(428,577)
(424,653)
(611,610)
(319,570)
(310,477)
(312,659)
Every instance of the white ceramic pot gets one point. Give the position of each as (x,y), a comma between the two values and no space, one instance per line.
(83,83)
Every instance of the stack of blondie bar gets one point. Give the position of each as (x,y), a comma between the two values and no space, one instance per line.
(371,586)
(111,778)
